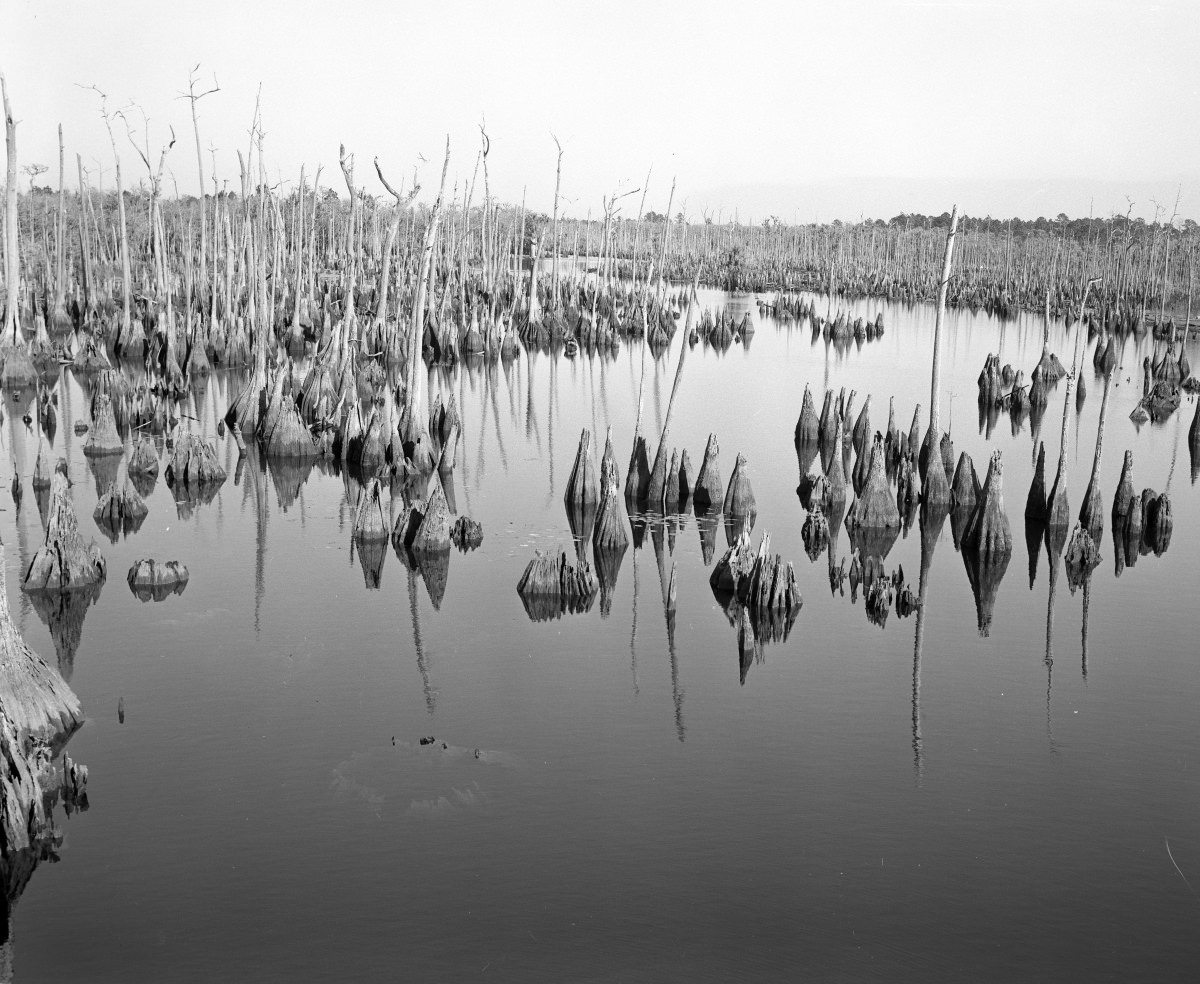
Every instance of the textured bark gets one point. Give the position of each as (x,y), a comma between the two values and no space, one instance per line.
(709,491)
(808,426)
(150,580)
(583,488)
(120,511)
(63,562)
(876,507)
(988,534)
(739,496)
(35,701)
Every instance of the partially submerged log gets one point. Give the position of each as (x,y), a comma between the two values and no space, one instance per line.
(150,580)
(63,562)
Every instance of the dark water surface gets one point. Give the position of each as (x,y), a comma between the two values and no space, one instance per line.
(859,809)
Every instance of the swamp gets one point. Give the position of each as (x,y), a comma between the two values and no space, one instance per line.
(430,590)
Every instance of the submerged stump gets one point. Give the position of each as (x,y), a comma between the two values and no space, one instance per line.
(988,534)
(150,580)
(120,511)
(63,562)
(583,488)
(551,586)
(876,507)
(103,439)
(708,492)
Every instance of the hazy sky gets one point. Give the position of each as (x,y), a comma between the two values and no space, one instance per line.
(807,110)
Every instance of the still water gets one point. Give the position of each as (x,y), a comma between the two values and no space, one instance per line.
(614,801)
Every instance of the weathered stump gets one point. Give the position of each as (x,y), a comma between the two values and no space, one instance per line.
(876,507)
(808,426)
(709,490)
(120,511)
(583,488)
(103,439)
(988,534)
(150,580)
(63,562)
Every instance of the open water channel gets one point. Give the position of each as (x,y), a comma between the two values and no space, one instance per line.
(613,795)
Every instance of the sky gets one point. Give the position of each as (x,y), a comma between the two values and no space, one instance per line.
(804,110)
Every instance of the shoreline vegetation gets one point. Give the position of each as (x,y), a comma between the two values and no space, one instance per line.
(261,249)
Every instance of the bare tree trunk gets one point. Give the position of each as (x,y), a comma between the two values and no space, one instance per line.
(662,253)
(402,203)
(85,261)
(557,185)
(935,399)
(412,397)
(298,246)
(60,283)
(12,267)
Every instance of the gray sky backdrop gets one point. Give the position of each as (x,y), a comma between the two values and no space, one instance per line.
(799,109)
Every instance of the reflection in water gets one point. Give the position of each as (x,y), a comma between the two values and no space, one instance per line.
(1054,547)
(668,587)
(63,614)
(932,519)
(422,660)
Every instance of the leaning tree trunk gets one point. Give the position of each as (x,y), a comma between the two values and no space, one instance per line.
(658,474)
